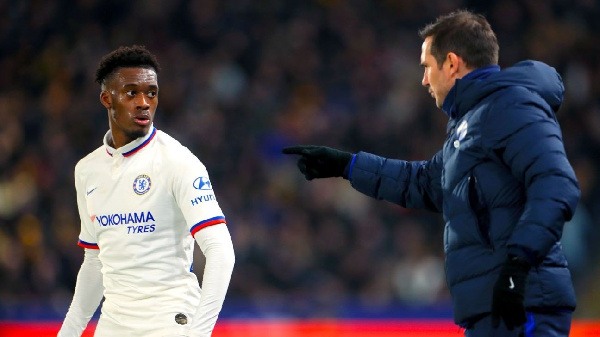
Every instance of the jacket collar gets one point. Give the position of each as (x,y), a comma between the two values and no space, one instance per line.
(449,105)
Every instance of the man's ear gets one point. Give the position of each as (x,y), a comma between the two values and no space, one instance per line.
(455,64)
(106,99)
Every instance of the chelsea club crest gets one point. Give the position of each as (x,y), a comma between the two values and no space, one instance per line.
(141,184)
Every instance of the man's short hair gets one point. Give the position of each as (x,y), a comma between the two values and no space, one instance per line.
(466,34)
(125,57)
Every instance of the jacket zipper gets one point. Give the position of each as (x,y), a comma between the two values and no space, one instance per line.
(481,210)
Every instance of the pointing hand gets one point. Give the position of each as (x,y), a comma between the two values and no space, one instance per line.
(320,161)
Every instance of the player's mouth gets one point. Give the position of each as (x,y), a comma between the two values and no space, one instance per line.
(142,119)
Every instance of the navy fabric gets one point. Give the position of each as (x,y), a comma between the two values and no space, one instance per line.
(539,324)
(502,182)
(448,105)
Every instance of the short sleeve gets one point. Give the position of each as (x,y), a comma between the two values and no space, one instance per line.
(87,235)
(195,196)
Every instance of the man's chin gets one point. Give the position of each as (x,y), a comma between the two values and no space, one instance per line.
(139,132)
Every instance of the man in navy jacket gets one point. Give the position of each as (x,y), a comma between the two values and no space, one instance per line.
(502,182)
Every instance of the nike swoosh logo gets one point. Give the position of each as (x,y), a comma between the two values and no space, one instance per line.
(512,284)
(90,191)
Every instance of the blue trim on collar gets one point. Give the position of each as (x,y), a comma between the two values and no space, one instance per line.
(133,148)
(482,72)
(139,147)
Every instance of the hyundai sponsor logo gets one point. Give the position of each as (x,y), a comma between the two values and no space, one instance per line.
(203,198)
(202,183)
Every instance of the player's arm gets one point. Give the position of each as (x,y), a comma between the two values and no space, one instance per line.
(89,288)
(88,294)
(215,243)
(208,227)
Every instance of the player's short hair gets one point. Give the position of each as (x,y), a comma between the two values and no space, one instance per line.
(125,57)
(466,34)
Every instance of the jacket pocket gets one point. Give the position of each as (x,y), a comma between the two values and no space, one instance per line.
(479,207)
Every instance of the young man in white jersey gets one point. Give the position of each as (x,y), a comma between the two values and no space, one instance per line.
(143,199)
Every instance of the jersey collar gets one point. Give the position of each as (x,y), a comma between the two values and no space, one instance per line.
(132,147)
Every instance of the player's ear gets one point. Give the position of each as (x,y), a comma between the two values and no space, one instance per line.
(106,99)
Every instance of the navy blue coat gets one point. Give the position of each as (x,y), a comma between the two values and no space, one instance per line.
(502,182)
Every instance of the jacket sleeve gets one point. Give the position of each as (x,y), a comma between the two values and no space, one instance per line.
(410,184)
(526,137)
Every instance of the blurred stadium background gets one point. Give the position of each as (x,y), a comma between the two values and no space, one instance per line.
(240,80)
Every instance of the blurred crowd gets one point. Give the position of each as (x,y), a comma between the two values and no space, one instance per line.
(241,79)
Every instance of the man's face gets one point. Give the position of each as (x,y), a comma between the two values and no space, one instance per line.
(131,97)
(438,80)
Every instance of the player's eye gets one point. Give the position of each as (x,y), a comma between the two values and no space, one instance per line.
(130,93)
(152,94)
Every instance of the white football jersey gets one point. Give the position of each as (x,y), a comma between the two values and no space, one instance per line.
(140,205)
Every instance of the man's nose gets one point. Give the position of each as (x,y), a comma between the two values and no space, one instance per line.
(142,102)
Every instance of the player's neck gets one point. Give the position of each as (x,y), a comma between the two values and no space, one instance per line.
(119,142)
(110,141)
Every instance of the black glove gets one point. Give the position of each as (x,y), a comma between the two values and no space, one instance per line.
(509,294)
(319,161)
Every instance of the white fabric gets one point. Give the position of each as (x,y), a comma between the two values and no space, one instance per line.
(87,297)
(215,243)
(109,328)
(139,204)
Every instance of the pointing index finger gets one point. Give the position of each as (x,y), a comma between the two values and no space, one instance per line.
(298,149)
